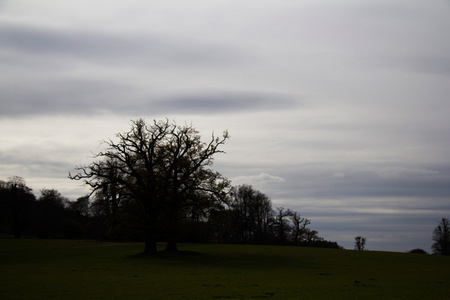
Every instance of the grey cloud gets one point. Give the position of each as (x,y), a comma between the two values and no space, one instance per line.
(361,184)
(428,64)
(366,182)
(438,63)
(101,48)
(63,97)
(47,165)
(90,97)
(361,180)
(227,102)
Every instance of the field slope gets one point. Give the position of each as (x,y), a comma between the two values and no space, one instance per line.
(60,269)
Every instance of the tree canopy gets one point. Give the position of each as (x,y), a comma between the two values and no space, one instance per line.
(158,172)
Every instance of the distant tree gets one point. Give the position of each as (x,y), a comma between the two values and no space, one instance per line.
(16,205)
(81,206)
(299,227)
(53,198)
(360,243)
(282,224)
(52,207)
(311,236)
(158,170)
(251,214)
(324,244)
(109,206)
(441,238)
(418,251)
(220,225)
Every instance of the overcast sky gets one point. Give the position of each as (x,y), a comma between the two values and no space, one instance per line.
(336,109)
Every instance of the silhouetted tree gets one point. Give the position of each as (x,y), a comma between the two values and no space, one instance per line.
(360,243)
(251,215)
(81,206)
(158,170)
(299,227)
(418,251)
(311,236)
(441,238)
(52,208)
(220,225)
(16,205)
(108,206)
(281,224)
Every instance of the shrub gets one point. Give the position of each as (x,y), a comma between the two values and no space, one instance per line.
(418,251)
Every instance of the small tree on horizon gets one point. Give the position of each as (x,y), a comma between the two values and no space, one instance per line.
(441,238)
(360,243)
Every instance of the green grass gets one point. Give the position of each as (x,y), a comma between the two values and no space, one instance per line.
(60,269)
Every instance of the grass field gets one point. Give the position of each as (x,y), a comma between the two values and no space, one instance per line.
(61,269)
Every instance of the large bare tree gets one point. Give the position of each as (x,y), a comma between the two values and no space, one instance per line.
(159,170)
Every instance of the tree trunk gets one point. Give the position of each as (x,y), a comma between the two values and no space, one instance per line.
(150,247)
(150,233)
(172,237)
(16,223)
(171,246)
(172,230)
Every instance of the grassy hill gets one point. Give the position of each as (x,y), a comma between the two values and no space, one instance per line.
(61,269)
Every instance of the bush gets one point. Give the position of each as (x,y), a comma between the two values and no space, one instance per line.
(418,251)
(321,244)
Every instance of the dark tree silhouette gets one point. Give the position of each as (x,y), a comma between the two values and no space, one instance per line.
(251,215)
(282,224)
(299,228)
(80,206)
(110,203)
(418,251)
(311,236)
(441,238)
(16,205)
(158,170)
(360,243)
(52,206)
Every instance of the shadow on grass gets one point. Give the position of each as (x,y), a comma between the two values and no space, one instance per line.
(232,256)
(167,254)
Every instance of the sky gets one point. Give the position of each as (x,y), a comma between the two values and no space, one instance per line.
(336,109)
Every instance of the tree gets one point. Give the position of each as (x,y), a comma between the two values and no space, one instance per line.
(80,206)
(251,214)
(52,206)
(158,170)
(281,223)
(418,251)
(299,228)
(109,205)
(16,205)
(441,238)
(312,236)
(360,243)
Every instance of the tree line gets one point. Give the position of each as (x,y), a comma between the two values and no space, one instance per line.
(155,183)
(247,219)
(48,216)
